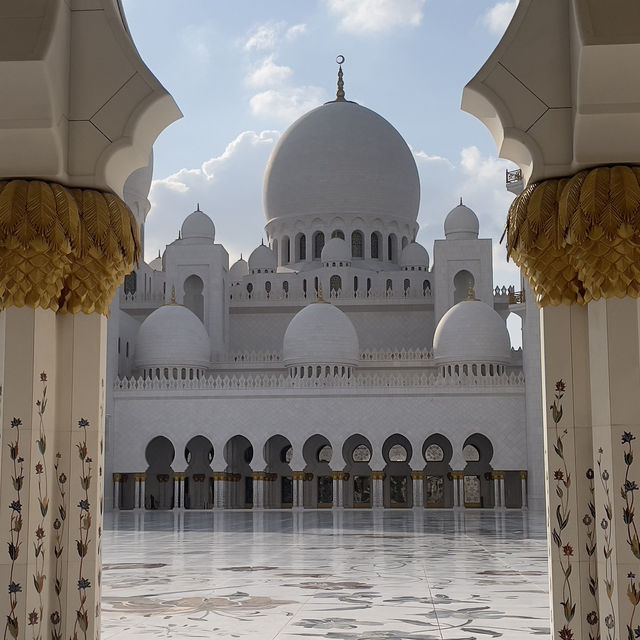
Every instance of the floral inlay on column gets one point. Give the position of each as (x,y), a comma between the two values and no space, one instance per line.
(628,511)
(605,523)
(562,478)
(15,524)
(39,548)
(82,544)
(589,522)
(58,549)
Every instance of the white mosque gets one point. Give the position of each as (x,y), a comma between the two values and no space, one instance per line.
(340,366)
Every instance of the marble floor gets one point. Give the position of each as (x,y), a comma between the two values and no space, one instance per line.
(348,575)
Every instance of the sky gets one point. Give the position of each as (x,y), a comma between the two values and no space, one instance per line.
(243,71)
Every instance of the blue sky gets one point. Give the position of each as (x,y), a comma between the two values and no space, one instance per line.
(242,71)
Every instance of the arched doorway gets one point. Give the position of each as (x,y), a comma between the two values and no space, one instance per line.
(438,487)
(193,296)
(477,452)
(357,452)
(159,453)
(397,452)
(317,453)
(238,454)
(198,483)
(462,282)
(279,489)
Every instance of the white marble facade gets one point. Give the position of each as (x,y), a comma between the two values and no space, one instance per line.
(339,366)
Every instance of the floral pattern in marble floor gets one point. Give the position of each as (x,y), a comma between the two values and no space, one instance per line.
(344,575)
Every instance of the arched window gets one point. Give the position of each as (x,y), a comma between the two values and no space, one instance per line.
(335,284)
(325,453)
(127,350)
(407,284)
(318,244)
(375,245)
(389,286)
(463,282)
(355,284)
(397,453)
(434,453)
(392,244)
(426,288)
(470,453)
(368,285)
(249,287)
(357,242)
(286,251)
(267,286)
(361,453)
(337,233)
(193,296)
(315,284)
(130,283)
(302,247)
(405,241)
(285,286)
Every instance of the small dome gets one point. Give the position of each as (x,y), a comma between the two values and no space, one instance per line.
(262,258)
(321,334)
(156,264)
(414,255)
(472,331)
(138,183)
(336,250)
(172,336)
(198,227)
(461,223)
(239,269)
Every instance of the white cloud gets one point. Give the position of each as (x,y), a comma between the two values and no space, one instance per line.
(269,74)
(498,17)
(264,37)
(375,16)
(286,104)
(295,31)
(228,188)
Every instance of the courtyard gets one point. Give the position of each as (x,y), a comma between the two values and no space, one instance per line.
(341,574)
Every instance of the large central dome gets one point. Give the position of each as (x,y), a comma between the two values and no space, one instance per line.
(341,159)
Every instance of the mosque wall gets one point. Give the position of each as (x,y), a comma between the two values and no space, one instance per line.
(497,413)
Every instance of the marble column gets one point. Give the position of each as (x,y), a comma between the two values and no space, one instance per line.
(523,485)
(458,491)
(179,477)
(216,477)
(417,478)
(116,491)
(338,489)
(496,490)
(377,489)
(140,484)
(258,489)
(176,491)
(298,478)
(503,504)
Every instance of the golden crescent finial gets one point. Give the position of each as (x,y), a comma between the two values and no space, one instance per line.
(340,92)
(470,292)
(173,295)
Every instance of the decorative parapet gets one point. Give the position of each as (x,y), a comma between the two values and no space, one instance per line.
(362,381)
(390,355)
(241,296)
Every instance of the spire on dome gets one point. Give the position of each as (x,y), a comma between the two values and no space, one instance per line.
(173,295)
(340,92)
(198,206)
(471,295)
(460,200)
(319,297)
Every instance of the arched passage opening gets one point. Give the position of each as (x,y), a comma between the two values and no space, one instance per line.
(477,452)
(198,484)
(279,490)
(193,296)
(159,453)
(317,454)
(438,487)
(357,452)
(397,453)
(462,282)
(238,454)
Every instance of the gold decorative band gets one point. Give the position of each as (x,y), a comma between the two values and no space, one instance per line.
(578,239)
(63,249)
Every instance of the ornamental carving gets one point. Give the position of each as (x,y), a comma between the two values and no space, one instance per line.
(63,249)
(578,239)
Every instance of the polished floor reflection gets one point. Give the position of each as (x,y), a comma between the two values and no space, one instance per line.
(346,575)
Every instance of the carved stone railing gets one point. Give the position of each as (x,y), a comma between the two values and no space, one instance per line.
(390,355)
(241,296)
(359,381)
